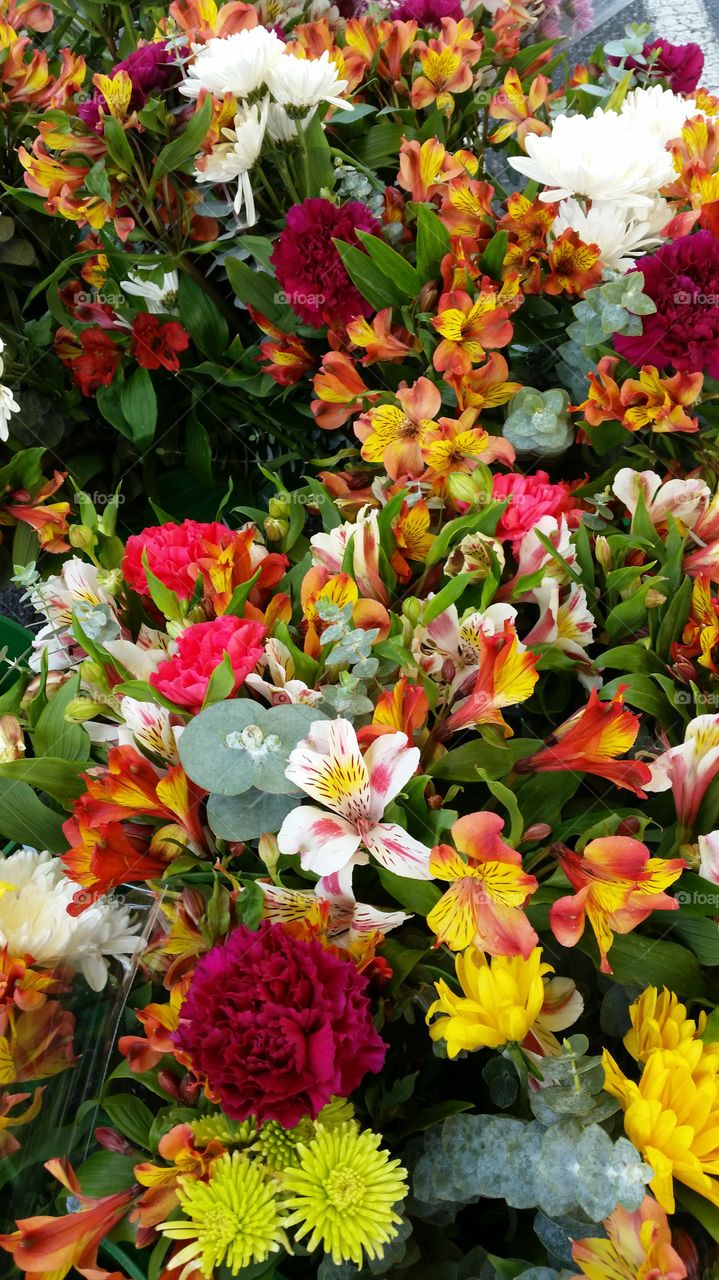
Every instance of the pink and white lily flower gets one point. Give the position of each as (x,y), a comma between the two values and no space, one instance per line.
(567,624)
(348,920)
(685,500)
(329,766)
(689,768)
(709,857)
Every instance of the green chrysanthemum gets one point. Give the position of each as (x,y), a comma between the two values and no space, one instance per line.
(234,1217)
(217,1126)
(344,1192)
(278,1146)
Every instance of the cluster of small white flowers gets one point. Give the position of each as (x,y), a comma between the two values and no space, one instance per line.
(8,403)
(277,92)
(34,921)
(616,160)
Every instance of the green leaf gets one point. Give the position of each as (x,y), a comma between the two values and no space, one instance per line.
(446,597)
(164,597)
(221,683)
(417,896)
(117,144)
(673,618)
(58,777)
(433,243)
(180,150)
(139,407)
(25,819)
(106,1172)
(236,607)
(492,260)
(703,1210)
(652,961)
(202,318)
(392,264)
(468,762)
(260,290)
(97,181)
(319,158)
(509,800)
(130,1116)
(370,279)
(53,735)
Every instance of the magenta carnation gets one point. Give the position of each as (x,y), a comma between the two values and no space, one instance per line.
(528,499)
(682,279)
(428,13)
(681,65)
(277,1025)
(175,554)
(149,67)
(184,678)
(308,266)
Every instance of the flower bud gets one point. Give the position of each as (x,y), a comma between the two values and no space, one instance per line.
(462,487)
(411,610)
(53,681)
(603,553)
(82,538)
(275,530)
(477,553)
(428,296)
(654,599)
(269,852)
(278,508)
(537,831)
(12,743)
(81,709)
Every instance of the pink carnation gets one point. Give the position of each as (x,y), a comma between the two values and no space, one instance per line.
(277,1025)
(200,650)
(529,498)
(308,265)
(174,554)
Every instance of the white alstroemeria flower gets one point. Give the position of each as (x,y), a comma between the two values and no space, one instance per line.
(34,897)
(238,64)
(8,403)
(235,159)
(149,727)
(301,84)
(621,234)
(660,111)
(604,156)
(160,298)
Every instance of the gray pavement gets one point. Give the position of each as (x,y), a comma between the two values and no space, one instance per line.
(680,21)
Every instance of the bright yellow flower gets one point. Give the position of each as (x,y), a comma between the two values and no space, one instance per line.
(344,1193)
(672,1117)
(659,1021)
(502,1001)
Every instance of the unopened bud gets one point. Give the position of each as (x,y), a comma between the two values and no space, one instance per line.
(428,296)
(12,743)
(111,1140)
(169,1083)
(275,530)
(537,831)
(278,508)
(82,538)
(411,610)
(269,851)
(81,709)
(628,826)
(603,553)
(462,488)
(53,681)
(654,599)
(93,674)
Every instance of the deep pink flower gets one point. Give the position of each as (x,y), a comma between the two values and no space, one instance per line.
(428,13)
(175,554)
(308,266)
(149,67)
(681,65)
(529,498)
(184,678)
(682,278)
(277,1025)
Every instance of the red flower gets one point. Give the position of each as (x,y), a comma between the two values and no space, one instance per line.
(96,365)
(278,1025)
(184,678)
(155,342)
(308,266)
(528,499)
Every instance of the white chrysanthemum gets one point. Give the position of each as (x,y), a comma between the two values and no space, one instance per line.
(236,158)
(238,64)
(160,298)
(603,156)
(300,84)
(279,125)
(621,234)
(658,110)
(8,403)
(34,897)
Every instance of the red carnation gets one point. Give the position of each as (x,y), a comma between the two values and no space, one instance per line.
(155,342)
(277,1025)
(308,266)
(529,498)
(184,678)
(174,554)
(96,365)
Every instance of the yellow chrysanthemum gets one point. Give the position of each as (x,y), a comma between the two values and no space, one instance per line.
(672,1117)
(344,1192)
(231,1220)
(502,1001)
(659,1021)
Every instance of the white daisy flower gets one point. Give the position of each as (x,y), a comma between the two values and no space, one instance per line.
(659,110)
(160,298)
(238,64)
(621,234)
(234,160)
(34,897)
(8,403)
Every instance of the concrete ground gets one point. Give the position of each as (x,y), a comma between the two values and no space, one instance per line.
(680,21)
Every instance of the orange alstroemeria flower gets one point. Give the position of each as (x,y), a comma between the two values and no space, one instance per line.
(340,590)
(456,445)
(467,208)
(444,73)
(11,1119)
(37,1043)
(158,1022)
(511,103)
(187,1161)
(395,40)
(391,434)
(48,1248)
(50,521)
(402,709)
(590,742)
(201,19)
(488,890)
(604,402)
(340,391)
(573,265)
(413,538)
(618,886)
(284,357)
(380,339)
(485,387)
(701,633)
(506,675)
(424,169)
(660,403)
(468,328)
